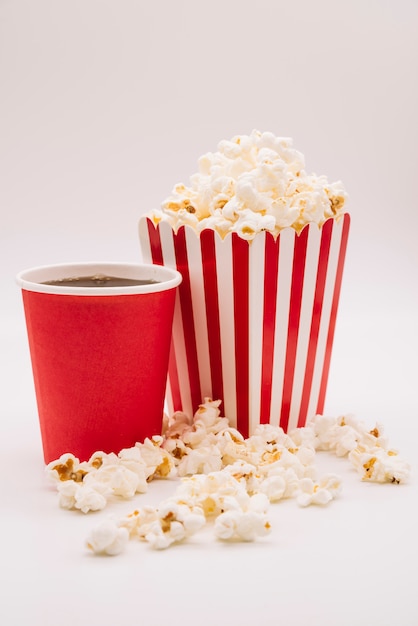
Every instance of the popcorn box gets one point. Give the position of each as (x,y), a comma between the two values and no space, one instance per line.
(254,321)
(99,355)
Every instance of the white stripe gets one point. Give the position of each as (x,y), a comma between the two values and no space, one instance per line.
(308,294)
(256,307)
(284,283)
(194,256)
(334,255)
(223,251)
(169,258)
(145,248)
(145,244)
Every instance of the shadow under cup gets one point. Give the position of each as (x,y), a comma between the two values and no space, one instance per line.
(99,355)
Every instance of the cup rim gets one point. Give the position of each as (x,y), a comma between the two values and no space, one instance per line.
(31,279)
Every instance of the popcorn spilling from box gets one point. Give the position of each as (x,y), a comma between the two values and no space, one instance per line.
(225,479)
(252,183)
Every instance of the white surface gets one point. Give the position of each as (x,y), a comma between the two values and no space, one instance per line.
(104,106)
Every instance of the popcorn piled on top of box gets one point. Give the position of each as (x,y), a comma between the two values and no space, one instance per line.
(225,479)
(252,183)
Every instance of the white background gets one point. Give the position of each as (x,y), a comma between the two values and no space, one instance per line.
(104,106)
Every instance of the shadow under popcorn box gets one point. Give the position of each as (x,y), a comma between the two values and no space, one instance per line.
(254,321)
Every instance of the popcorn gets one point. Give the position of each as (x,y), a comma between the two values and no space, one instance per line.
(88,485)
(158,462)
(248,224)
(241,525)
(200,461)
(67,467)
(259,503)
(251,184)
(132,461)
(108,538)
(320,492)
(161,539)
(225,525)
(119,480)
(379,465)
(83,497)
(174,523)
(99,459)
(177,425)
(139,522)
(368,450)
(274,487)
(225,480)
(304,436)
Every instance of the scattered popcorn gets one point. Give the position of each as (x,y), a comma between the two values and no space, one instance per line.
(119,480)
(225,525)
(156,459)
(290,478)
(67,467)
(85,498)
(200,461)
(160,539)
(241,525)
(131,459)
(368,450)
(174,523)
(379,465)
(225,480)
(139,523)
(275,487)
(320,492)
(335,434)
(259,503)
(176,425)
(87,486)
(252,183)
(108,538)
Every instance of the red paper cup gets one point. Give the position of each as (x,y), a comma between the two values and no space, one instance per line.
(99,355)
(254,321)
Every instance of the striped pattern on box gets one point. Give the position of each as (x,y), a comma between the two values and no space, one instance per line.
(254,321)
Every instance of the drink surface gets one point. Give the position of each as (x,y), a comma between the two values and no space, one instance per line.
(99,280)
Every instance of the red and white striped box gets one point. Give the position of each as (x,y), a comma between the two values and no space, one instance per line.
(254,320)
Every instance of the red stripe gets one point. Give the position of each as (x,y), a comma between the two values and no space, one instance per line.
(207,243)
(155,243)
(298,272)
(334,308)
(240,269)
(326,234)
(157,259)
(271,268)
(185,294)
